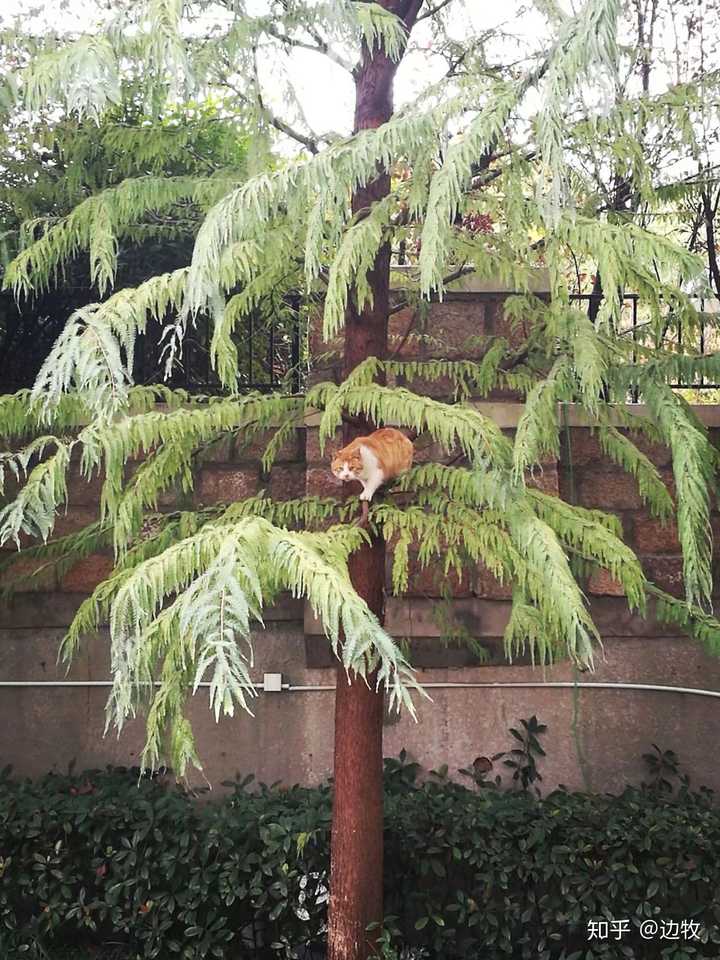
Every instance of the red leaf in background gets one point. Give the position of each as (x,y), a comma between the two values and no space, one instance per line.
(478,222)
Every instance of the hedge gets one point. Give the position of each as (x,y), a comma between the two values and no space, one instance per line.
(106,858)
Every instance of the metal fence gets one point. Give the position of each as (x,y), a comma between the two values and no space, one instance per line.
(704,339)
(268,350)
(268,345)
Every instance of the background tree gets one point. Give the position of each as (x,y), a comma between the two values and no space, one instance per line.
(477,173)
(53,165)
(641,164)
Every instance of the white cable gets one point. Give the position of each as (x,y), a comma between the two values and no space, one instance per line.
(447,685)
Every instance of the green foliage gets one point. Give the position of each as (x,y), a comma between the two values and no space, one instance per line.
(187,587)
(355,257)
(651,488)
(217,582)
(33,510)
(523,759)
(523,536)
(175,610)
(692,620)
(98,223)
(105,859)
(450,182)
(538,435)
(106,856)
(585,44)
(64,176)
(694,466)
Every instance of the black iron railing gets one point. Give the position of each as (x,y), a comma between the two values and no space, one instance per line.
(703,340)
(268,345)
(268,351)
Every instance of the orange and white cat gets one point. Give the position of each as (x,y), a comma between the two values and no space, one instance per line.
(373,460)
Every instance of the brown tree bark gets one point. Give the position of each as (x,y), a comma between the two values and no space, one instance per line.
(356,868)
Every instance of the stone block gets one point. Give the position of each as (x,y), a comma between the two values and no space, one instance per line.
(544,477)
(222,451)
(411,617)
(36,610)
(613,618)
(87,573)
(43,577)
(660,455)
(502,326)
(403,342)
(313,453)
(583,448)
(251,450)
(602,583)
(606,489)
(32,655)
(220,484)
(432,581)
(668,478)
(488,586)
(666,573)
(74,519)
(320,482)
(451,330)
(287,481)
(427,451)
(425,653)
(654,536)
(84,491)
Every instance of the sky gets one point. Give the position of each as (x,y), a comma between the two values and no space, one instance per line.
(324,89)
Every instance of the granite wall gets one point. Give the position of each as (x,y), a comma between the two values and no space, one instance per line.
(595,736)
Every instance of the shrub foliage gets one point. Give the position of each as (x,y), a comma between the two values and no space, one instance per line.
(105,858)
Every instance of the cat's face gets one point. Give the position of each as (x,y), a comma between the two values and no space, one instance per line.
(347,468)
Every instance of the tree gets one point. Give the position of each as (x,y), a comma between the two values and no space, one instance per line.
(468,177)
(52,163)
(646,167)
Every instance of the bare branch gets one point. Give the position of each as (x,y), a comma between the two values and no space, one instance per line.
(307,141)
(434,10)
(320,46)
(401,304)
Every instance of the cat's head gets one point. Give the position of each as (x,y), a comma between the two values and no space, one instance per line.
(347,467)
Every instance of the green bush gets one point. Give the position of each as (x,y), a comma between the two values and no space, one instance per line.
(105,858)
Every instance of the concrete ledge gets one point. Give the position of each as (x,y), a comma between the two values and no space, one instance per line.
(708,413)
(414,617)
(506,415)
(56,610)
(406,277)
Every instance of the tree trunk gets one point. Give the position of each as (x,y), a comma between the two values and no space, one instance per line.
(356,868)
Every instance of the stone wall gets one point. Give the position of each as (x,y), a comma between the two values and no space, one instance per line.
(595,736)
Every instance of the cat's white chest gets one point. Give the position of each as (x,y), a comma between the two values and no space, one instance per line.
(372,474)
(370,463)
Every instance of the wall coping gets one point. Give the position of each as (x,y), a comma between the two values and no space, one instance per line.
(506,414)
(469,285)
